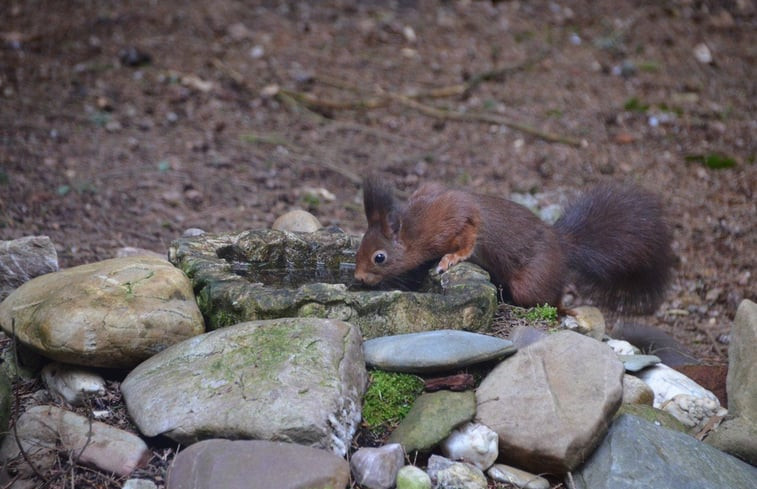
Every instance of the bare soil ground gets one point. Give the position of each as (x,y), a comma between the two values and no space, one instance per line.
(125,123)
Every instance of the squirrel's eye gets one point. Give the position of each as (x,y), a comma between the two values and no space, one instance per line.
(379,257)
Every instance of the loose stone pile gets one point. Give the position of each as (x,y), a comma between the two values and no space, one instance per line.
(276,403)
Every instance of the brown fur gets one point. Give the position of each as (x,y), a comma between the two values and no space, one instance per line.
(613,241)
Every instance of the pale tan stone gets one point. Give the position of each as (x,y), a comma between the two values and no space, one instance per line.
(113,313)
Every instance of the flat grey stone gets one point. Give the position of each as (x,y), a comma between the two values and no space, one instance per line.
(256,464)
(434,351)
(637,454)
(635,363)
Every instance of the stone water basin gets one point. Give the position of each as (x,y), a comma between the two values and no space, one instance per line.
(267,274)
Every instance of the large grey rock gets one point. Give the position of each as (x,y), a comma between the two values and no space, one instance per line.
(114,313)
(433,351)
(298,380)
(738,434)
(46,431)
(637,454)
(256,464)
(23,259)
(741,382)
(432,418)
(552,402)
(268,274)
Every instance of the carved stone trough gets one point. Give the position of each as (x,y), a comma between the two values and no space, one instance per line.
(266,274)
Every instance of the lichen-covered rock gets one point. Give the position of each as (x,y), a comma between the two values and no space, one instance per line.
(298,380)
(114,313)
(268,274)
(432,418)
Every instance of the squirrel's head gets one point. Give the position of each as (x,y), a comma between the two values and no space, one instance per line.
(380,252)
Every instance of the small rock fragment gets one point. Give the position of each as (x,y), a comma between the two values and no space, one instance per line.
(586,320)
(519,478)
(702,53)
(411,477)
(473,443)
(298,221)
(72,384)
(377,468)
(447,474)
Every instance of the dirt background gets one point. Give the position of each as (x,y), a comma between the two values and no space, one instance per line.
(125,123)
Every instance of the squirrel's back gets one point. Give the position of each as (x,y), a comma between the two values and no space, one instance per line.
(617,244)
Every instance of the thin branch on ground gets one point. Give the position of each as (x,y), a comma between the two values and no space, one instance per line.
(483,117)
(16,408)
(382,98)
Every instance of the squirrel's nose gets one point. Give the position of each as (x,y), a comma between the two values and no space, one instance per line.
(365,278)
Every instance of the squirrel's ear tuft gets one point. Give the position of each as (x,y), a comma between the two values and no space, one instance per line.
(380,206)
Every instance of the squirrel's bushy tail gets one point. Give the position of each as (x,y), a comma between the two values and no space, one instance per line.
(618,245)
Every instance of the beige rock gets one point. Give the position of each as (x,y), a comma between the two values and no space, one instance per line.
(518,478)
(297,221)
(114,313)
(586,320)
(43,431)
(636,391)
(72,384)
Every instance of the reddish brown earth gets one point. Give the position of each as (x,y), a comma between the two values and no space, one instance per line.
(217,131)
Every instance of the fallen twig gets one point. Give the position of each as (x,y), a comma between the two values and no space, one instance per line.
(483,117)
(16,409)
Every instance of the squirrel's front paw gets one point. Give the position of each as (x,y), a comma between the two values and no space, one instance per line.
(446,262)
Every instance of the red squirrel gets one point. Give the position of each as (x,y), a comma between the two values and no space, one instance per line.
(612,243)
